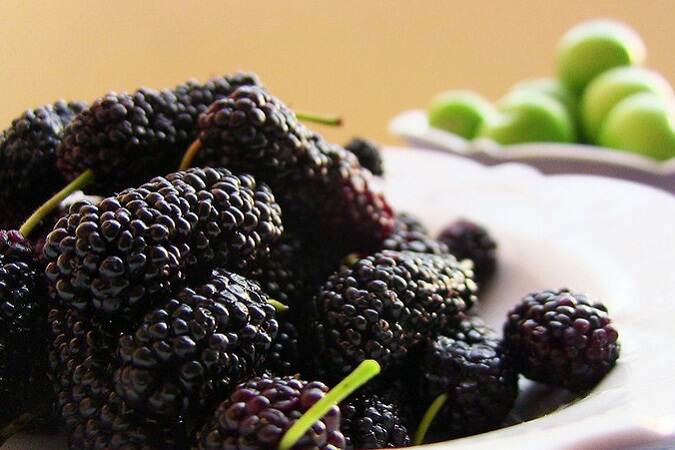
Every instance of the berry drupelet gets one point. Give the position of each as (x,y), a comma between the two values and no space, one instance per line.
(133,249)
(368,154)
(321,187)
(285,356)
(95,417)
(196,347)
(257,414)
(23,340)
(467,240)
(469,365)
(410,235)
(369,421)
(383,305)
(28,174)
(561,338)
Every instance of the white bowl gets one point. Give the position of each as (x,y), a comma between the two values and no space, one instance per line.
(611,239)
(548,157)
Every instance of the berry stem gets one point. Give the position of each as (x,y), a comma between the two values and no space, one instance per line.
(85,178)
(429,417)
(190,154)
(305,116)
(361,375)
(280,307)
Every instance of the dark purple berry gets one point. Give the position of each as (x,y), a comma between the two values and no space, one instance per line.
(383,305)
(467,240)
(257,414)
(196,347)
(469,365)
(368,154)
(562,338)
(132,250)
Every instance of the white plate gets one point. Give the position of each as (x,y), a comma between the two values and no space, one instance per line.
(612,239)
(547,157)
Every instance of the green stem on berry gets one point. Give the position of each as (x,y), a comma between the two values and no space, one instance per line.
(305,116)
(85,179)
(190,154)
(360,376)
(280,307)
(429,417)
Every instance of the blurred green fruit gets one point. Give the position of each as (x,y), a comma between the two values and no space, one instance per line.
(551,87)
(460,112)
(593,47)
(527,116)
(642,123)
(611,87)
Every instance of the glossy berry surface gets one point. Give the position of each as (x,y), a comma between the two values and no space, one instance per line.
(196,347)
(562,338)
(470,366)
(258,413)
(383,305)
(133,249)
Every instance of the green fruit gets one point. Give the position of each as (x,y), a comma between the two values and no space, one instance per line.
(642,123)
(593,47)
(611,87)
(460,112)
(551,87)
(529,117)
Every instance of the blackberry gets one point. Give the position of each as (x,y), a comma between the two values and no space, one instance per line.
(124,138)
(195,97)
(385,304)
(258,413)
(135,248)
(28,174)
(410,235)
(369,421)
(285,356)
(95,417)
(23,339)
(467,240)
(321,187)
(196,347)
(469,366)
(368,154)
(562,338)
(295,269)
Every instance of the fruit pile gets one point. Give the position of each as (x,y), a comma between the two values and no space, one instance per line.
(601,96)
(230,280)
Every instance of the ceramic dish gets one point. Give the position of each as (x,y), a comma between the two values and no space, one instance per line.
(612,239)
(549,158)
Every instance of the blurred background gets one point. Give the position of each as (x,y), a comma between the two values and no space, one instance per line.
(364,60)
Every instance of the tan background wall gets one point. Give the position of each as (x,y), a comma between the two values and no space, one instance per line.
(364,59)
